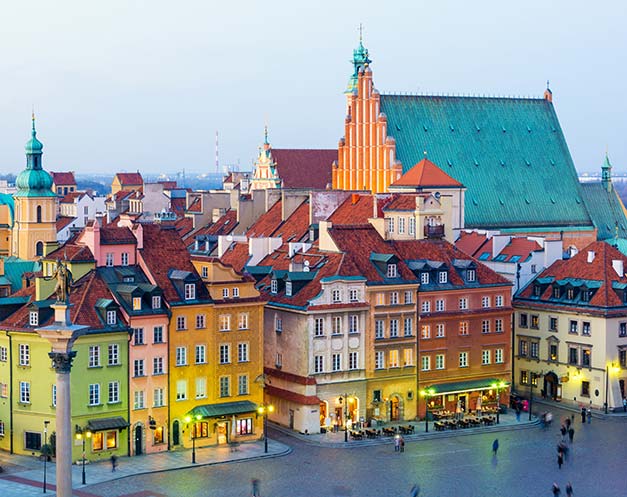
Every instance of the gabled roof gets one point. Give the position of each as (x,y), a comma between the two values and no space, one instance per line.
(71,197)
(63,221)
(296,227)
(426,174)
(236,256)
(402,202)
(267,222)
(358,208)
(472,243)
(510,154)
(116,235)
(518,249)
(606,210)
(63,178)
(195,206)
(304,168)
(224,225)
(72,252)
(130,178)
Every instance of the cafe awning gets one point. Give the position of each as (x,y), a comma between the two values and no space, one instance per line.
(117,422)
(224,409)
(462,386)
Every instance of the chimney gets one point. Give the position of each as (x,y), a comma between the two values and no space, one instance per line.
(590,256)
(617,264)
(375,207)
(354,198)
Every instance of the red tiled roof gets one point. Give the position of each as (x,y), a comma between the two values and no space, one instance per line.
(471,242)
(426,174)
(304,168)
(296,226)
(116,235)
(195,206)
(224,225)
(402,202)
(267,222)
(130,178)
(63,221)
(72,252)
(63,178)
(184,225)
(236,256)
(71,197)
(520,246)
(178,205)
(357,209)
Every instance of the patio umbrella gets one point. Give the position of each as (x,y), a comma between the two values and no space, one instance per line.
(233,428)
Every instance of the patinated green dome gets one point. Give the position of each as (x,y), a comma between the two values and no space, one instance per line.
(34,181)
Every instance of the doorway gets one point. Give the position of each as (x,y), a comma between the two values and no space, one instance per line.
(291,419)
(462,402)
(550,385)
(138,440)
(175,433)
(221,431)
(395,410)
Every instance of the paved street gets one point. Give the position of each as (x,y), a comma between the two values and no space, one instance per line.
(456,466)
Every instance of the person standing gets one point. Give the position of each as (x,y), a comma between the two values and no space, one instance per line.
(571,434)
(495,447)
(255,484)
(402,444)
(563,432)
(583,414)
(569,490)
(415,490)
(560,459)
(397,443)
(556,489)
(114,462)
(624,404)
(589,415)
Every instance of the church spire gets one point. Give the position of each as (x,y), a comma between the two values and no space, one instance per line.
(606,174)
(360,62)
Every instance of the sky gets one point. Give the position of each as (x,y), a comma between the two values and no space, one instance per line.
(128,85)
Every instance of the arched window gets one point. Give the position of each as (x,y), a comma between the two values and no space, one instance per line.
(39,249)
(39,213)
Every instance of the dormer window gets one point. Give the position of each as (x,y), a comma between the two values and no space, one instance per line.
(112,317)
(336,296)
(137,303)
(585,295)
(537,290)
(109,259)
(471,275)
(570,293)
(392,271)
(33,318)
(288,288)
(205,272)
(125,258)
(235,292)
(556,292)
(390,224)
(156,302)
(274,286)
(225,293)
(190,291)
(443,277)
(424,278)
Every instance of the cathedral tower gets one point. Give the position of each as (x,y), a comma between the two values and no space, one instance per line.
(265,175)
(35,205)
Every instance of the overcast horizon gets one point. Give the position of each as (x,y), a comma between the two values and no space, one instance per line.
(147,85)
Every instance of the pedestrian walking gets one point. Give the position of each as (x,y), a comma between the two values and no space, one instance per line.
(567,423)
(583,414)
(114,462)
(563,432)
(415,490)
(624,404)
(402,444)
(255,484)
(560,459)
(495,446)
(397,443)
(571,434)
(517,412)
(556,489)
(569,489)
(589,415)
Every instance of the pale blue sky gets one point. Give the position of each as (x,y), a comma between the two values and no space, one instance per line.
(125,85)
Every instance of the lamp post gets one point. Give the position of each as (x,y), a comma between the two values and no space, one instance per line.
(264,410)
(497,386)
(345,398)
(83,436)
(46,423)
(188,420)
(427,394)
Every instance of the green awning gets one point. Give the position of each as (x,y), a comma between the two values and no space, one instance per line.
(117,422)
(224,409)
(463,386)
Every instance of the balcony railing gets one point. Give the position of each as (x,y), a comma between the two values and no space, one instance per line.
(436,231)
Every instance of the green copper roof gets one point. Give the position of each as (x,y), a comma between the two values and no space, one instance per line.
(510,153)
(606,210)
(14,269)
(360,61)
(33,146)
(34,181)
(6,199)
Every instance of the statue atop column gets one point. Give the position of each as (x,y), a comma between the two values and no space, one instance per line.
(64,281)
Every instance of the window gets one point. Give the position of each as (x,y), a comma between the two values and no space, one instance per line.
(390,221)
(224,322)
(139,399)
(32,440)
(181,356)
(553,352)
(378,329)
(524,377)
(24,392)
(523,348)
(157,365)
(380,300)
(201,354)
(535,321)
(225,353)
(158,397)
(353,295)
(24,354)
(200,321)
(622,360)
(485,357)
(138,367)
(485,326)
(586,357)
(440,330)
(498,301)
(408,357)
(463,359)
(337,325)
(393,298)
(498,356)
(485,302)
(319,327)
(572,327)
(242,384)
(534,350)
(393,359)
(570,293)
(156,302)
(288,288)
(125,258)
(412,226)
(181,323)
(204,272)
(244,426)
(393,328)
(138,336)
(3,354)
(409,297)
(109,259)
(573,355)
(137,303)
(622,332)
(181,390)
(401,225)
(336,296)
(114,354)
(157,334)
(242,321)
(379,359)
(425,331)
(318,364)
(498,325)
(33,318)
(278,362)
(274,286)
(439,305)
(336,362)
(242,352)
(463,303)
(54,395)
(353,323)
(94,356)
(392,271)
(353,360)
(424,278)
(585,389)
(112,317)
(585,328)
(190,291)
(235,293)
(408,327)
(471,275)
(439,361)
(278,324)
(225,293)
(442,277)
(201,387)
(425,306)
(463,327)
(425,363)
(523,320)
(556,292)
(94,394)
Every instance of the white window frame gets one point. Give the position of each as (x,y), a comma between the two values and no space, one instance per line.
(463,359)
(190,291)
(243,352)
(200,354)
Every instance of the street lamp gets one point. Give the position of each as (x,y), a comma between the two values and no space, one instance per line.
(188,420)
(427,394)
(497,386)
(46,423)
(80,435)
(264,410)
(345,401)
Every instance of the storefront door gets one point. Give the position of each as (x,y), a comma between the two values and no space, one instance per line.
(395,412)
(138,440)
(221,431)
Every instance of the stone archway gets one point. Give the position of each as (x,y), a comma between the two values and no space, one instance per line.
(396,408)
(551,382)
